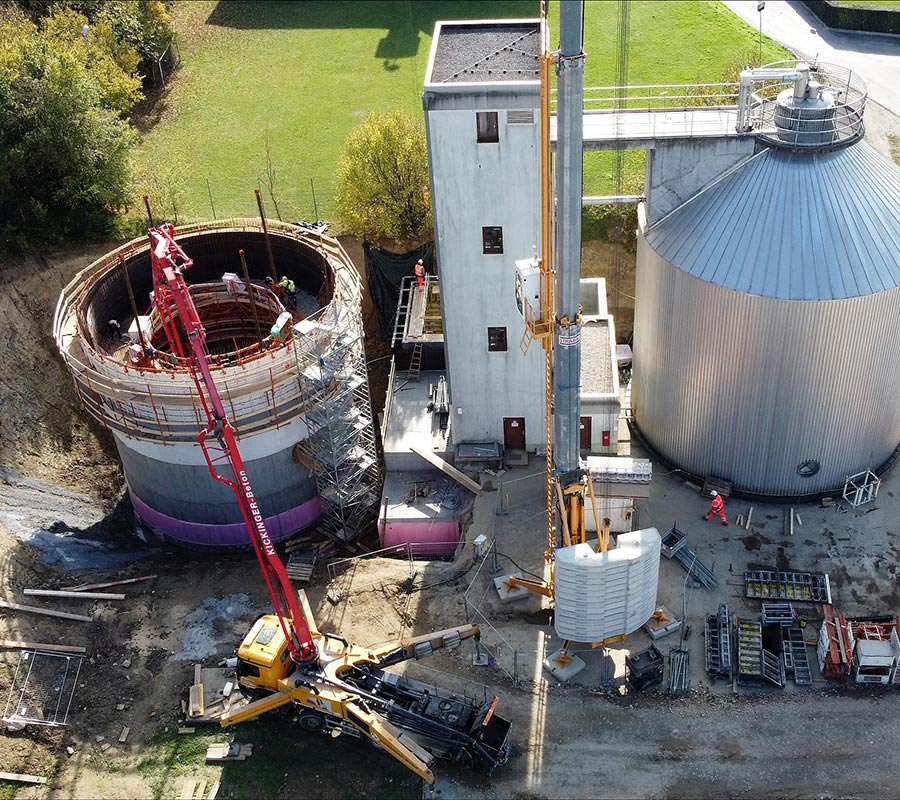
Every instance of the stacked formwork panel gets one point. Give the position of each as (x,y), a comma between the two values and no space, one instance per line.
(341,445)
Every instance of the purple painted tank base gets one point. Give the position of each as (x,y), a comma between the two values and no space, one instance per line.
(200,536)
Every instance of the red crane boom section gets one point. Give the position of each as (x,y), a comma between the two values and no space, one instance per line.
(169,287)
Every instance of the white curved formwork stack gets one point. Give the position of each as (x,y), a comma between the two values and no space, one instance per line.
(602,595)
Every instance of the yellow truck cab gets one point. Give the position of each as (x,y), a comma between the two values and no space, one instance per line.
(263,657)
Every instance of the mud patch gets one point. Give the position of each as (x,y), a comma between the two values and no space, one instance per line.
(206,629)
(754,541)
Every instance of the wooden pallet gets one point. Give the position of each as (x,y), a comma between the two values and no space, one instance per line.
(722,486)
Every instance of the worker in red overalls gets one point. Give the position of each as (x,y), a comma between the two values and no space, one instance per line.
(420,274)
(717,507)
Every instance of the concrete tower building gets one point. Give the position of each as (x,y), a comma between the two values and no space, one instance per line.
(482,101)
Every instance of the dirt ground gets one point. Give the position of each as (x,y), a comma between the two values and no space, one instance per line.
(63,521)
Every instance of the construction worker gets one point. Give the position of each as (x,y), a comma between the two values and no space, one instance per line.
(289,291)
(420,274)
(717,507)
(113,330)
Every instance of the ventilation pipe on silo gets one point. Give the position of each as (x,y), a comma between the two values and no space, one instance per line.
(799,76)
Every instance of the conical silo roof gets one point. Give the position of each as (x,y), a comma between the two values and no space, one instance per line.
(792,225)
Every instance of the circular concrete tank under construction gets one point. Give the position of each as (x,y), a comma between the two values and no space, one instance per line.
(299,403)
(767,331)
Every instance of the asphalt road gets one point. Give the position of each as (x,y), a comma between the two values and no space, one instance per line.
(875,57)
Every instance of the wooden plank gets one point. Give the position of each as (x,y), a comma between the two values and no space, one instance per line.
(124,734)
(79,595)
(200,790)
(45,611)
(10,644)
(198,673)
(213,792)
(88,586)
(195,701)
(187,730)
(449,470)
(187,790)
(15,776)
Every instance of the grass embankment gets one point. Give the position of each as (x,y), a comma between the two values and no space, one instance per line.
(300,76)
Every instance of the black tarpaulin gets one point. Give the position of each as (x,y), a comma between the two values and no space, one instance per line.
(384,274)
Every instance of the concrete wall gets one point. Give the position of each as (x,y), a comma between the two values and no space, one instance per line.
(475,185)
(679,169)
(175,481)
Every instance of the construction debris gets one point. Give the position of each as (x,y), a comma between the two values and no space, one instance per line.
(447,469)
(193,789)
(124,734)
(46,612)
(79,595)
(11,644)
(14,776)
(83,587)
(864,649)
(229,752)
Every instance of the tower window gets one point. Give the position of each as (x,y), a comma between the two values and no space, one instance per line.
(492,239)
(496,340)
(488,126)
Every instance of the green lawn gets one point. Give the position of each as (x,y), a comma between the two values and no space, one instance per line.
(302,74)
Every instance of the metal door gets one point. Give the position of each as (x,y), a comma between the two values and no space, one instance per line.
(585,440)
(514,433)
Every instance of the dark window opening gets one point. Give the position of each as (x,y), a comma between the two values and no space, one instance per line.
(492,239)
(247,670)
(488,126)
(496,340)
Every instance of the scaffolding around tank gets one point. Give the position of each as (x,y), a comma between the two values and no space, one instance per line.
(340,447)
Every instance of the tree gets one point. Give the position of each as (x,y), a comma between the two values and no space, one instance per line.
(63,144)
(382,180)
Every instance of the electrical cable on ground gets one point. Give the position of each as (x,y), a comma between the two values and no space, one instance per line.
(525,571)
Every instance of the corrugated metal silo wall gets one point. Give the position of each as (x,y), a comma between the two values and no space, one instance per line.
(747,388)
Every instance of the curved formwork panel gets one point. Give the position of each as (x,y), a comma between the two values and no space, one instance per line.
(280,393)
(602,595)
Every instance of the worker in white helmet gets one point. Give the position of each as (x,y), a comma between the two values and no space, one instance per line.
(420,274)
(717,507)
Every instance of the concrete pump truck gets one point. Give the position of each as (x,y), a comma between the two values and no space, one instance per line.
(284,659)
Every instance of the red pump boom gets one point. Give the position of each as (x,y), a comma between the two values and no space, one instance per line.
(169,287)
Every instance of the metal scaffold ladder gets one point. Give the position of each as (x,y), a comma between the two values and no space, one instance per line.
(341,442)
(415,362)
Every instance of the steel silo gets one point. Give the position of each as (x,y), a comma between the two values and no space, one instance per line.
(767,332)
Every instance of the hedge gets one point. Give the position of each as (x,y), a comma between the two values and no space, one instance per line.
(855,18)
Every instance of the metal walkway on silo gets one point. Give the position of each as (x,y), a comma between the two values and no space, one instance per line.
(641,129)
(653,113)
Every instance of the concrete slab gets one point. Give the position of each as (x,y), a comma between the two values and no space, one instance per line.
(510,595)
(566,672)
